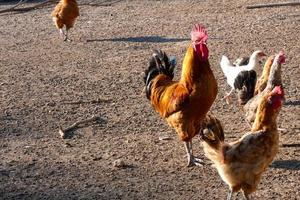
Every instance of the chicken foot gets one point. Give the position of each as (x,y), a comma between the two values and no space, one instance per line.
(192,161)
(228,96)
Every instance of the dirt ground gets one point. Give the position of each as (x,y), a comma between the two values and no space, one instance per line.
(42,78)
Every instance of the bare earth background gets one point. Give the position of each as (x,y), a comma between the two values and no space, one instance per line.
(110,49)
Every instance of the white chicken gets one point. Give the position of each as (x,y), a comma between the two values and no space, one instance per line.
(232,72)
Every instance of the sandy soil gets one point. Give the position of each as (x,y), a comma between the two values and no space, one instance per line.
(40,75)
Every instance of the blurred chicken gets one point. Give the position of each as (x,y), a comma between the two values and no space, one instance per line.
(237,73)
(262,81)
(244,84)
(242,163)
(274,79)
(241,61)
(65,14)
(184,103)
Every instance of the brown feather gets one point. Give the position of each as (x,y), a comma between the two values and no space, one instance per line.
(65,13)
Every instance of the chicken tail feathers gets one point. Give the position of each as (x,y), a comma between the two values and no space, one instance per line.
(159,63)
(212,131)
(245,84)
(225,63)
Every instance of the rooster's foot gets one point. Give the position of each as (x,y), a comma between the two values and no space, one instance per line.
(66,39)
(195,162)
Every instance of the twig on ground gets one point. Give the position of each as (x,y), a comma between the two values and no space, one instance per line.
(15,9)
(88,102)
(63,131)
(268,5)
(291,145)
(165,138)
(103,3)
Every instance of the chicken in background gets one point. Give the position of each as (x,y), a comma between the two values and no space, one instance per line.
(65,14)
(184,103)
(213,124)
(241,61)
(242,163)
(237,73)
(274,79)
(244,84)
(262,81)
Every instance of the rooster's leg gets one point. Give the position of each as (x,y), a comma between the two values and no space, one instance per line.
(227,97)
(229,194)
(192,161)
(66,36)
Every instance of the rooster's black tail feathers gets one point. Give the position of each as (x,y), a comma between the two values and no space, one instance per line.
(159,63)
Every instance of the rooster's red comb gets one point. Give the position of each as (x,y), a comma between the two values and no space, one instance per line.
(199,34)
(278,91)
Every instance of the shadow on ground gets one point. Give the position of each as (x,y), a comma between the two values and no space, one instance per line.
(286,164)
(150,39)
(292,103)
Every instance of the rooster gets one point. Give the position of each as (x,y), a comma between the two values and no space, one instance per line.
(237,74)
(242,163)
(184,103)
(274,79)
(65,14)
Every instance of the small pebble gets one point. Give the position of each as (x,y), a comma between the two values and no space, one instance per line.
(119,163)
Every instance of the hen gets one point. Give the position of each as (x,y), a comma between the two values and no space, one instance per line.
(184,103)
(65,14)
(273,80)
(240,73)
(262,81)
(242,163)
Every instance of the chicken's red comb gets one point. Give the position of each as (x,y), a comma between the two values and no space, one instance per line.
(281,52)
(278,91)
(281,57)
(199,34)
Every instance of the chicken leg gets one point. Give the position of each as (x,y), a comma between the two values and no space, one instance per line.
(229,194)
(192,161)
(61,32)
(227,97)
(66,35)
